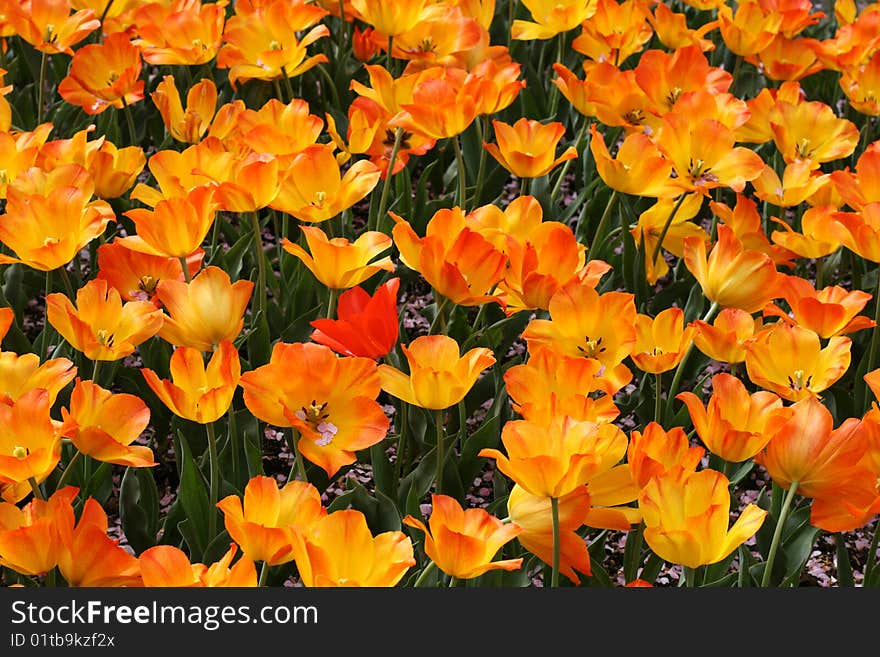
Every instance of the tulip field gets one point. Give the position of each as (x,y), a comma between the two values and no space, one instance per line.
(439,293)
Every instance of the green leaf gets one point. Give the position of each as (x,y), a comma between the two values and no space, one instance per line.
(139,508)
(193,494)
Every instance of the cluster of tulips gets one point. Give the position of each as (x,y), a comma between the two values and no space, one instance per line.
(603,261)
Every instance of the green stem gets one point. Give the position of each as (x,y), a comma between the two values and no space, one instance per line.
(96,372)
(441,456)
(343,28)
(679,370)
(666,226)
(567,164)
(461,199)
(872,352)
(68,286)
(277,84)
(525,186)
(511,11)
(554,89)
(106,11)
(386,185)
(389,60)
(777,534)
(603,222)
(264,574)
(132,131)
(299,466)
(554,510)
(690,575)
(872,554)
(261,264)
(288,87)
(430,568)
(215,480)
(44,60)
(482,133)
(331,303)
(67,470)
(35,487)
(401,440)
(47,326)
(453,582)
(658,390)
(440,317)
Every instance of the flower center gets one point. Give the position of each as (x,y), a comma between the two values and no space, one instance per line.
(19,452)
(105,338)
(799,382)
(318,418)
(591,348)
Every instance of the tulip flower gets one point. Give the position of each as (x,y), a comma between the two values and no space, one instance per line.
(798,183)
(654,451)
(463,542)
(271,41)
(101,326)
(30,542)
(204,312)
(861,86)
(314,189)
(179,32)
(584,323)
(790,361)
(734,424)
(859,231)
(788,59)
(338,263)
(666,77)
(104,75)
(263,522)
(614,31)
(638,167)
(90,558)
(554,459)
(812,132)
(661,341)
(18,153)
(390,18)
(674,225)
(277,129)
(687,514)
(439,376)
(50,27)
(178,174)
(198,392)
(135,275)
(175,227)
(551,17)
(30,445)
(339,550)
(501,84)
(527,147)
(50,218)
(725,338)
(367,325)
(749,28)
(831,311)
(551,383)
(191,124)
(103,425)
(330,401)
(818,236)
(732,276)
(166,565)
(115,170)
(458,262)
(532,513)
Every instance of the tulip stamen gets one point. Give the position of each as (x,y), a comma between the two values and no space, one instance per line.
(798,382)
(317,417)
(592,348)
(20,452)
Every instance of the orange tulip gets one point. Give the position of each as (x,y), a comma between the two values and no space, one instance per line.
(862,87)
(609,94)
(18,153)
(339,550)
(799,182)
(277,129)
(49,26)
(501,84)
(858,188)
(725,338)
(812,132)
(673,32)
(262,524)
(585,324)
(30,445)
(166,565)
(314,189)
(554,459)
(733,424)
(551,384)
(654,451)
(790,361)
(104,425)
(330,401)
(550,17)
(527,147)
(30,542)
(831,311)
(104,75)
(191,124)
(859,231)
(439,376)
(204,312)
(180,32)
(115,170)
(687,514)
(391,18)
(178,174)
(665,77)
(338,263)
(270,40)
(818,236)
(197,392)
(532,514)
(49,217)
(638,168)
(788,58)
(614,31)
(463,542)
(175,227)
(652,223)
(91,558)
(747,225)
(661,341)
(457,261)
(135,275)
(749,28)
(732,276)
(101,326)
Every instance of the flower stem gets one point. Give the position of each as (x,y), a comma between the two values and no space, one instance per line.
(261,264)
(383,200)
(565,166)
(872,351)
(441,456)
(331,302)
(35,487)
(872,554)
(459,160)
(44,60)
(299,467)
(96,372)
(264,574)
(185,267)
(690,575)
(287,86)
(68,470)
(482,132)
(554,509)
(603,223)
(215,480)
(679,370)
(389,60)
(401,440)
(666,226)
(132,131)
(658,389)
(424,574)
(777,534)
